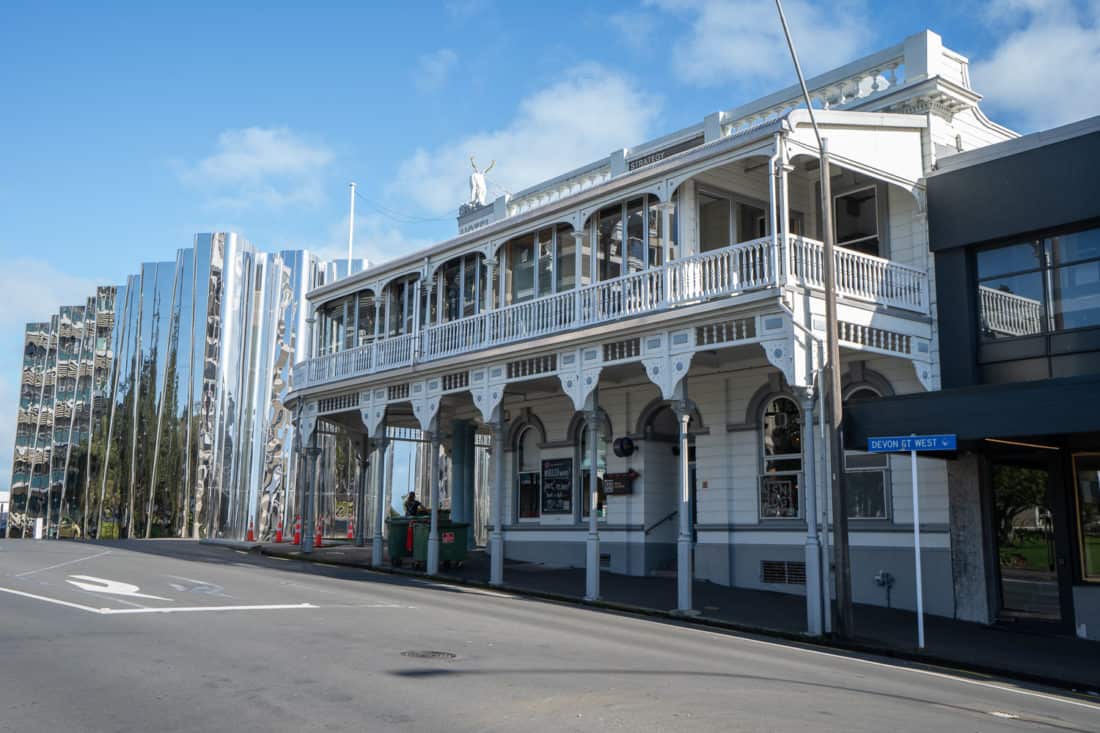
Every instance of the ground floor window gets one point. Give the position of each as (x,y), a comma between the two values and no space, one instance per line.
(1086,476)
(865,474)
(781,438)
(527,469)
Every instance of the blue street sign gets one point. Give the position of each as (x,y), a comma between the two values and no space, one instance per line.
(898,443)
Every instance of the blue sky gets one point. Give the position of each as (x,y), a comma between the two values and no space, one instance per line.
(126,128)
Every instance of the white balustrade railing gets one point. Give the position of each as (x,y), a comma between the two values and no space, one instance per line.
(740,268)
(1009,314)
(860,276)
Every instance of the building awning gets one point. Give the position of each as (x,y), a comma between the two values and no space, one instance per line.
(1047,407)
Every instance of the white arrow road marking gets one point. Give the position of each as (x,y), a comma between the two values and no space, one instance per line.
(111,587)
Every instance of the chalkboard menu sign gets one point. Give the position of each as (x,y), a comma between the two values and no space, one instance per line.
(557,486)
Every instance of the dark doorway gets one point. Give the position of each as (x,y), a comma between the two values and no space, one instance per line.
(1024,530)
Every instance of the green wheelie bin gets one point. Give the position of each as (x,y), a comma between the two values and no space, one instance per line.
(452,543)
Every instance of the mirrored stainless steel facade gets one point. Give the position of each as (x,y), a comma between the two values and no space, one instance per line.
(156,408)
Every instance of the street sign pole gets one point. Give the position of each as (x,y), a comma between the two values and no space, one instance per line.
(914,444)
(916,550)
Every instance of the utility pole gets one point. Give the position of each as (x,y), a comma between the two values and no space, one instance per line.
(351,225)
(843,567)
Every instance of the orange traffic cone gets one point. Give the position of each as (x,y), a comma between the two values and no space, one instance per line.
(317,540)
(298,530)
(279,532)
(351,529)
(251,532)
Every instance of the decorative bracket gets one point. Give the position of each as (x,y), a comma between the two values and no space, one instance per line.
(579,373)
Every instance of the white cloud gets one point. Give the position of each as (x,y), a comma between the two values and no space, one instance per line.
(33,291)
(584,116)
(1046,71)
(634,28)
(270,167)
(740,42)
(434,68)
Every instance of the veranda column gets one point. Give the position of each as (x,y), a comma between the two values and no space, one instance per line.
(813,544)
(312,453)
(496,535)
(379,498)
(361,504)
(684,573)
(592,544)
(433,532)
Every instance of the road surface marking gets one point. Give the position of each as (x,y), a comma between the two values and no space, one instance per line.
(50,600)
(917,670)
(132,611)
(63,564)
(196,609)
(111,587)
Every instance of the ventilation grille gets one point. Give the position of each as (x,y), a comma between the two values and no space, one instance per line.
(874,338)
(397,392)
(455,380)
(339,402)
(531,367)
(737,329)
(619,350)
(783,572)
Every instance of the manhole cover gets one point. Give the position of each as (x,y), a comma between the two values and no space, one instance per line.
(428,654)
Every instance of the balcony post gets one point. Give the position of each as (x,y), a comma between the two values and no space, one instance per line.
(490,274)
(592,543)
(578,305)
(666,208)
(380,492)
(813,543)
(773,206)
(496,535)
(685,575)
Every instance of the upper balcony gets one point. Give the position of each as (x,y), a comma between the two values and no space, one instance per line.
(745,267)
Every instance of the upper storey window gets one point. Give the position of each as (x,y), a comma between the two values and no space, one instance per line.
(855,216)
(628,237)
(1038,286)
(541,264)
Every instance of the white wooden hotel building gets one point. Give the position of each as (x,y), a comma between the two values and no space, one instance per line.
(667,301)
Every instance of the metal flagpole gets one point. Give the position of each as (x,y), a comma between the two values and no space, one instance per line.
(351,225)
(843,569)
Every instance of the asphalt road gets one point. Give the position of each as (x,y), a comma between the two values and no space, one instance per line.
(167,636)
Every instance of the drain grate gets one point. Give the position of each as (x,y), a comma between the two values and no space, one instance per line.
(428,654)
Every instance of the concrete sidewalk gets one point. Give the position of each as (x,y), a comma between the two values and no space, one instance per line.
(1048,659)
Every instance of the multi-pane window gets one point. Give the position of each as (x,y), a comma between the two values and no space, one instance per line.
(1038,286)
(541,264)
(855,217)
(865,474)
(628,238)
(781,438)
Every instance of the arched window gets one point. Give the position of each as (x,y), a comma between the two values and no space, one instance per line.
(584,466)
(528,456)
(865,473)
(781,439)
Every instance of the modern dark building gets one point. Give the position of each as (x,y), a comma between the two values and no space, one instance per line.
(1015,230)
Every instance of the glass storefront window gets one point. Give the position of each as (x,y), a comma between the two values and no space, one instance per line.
(1037,286)
(1086,475)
